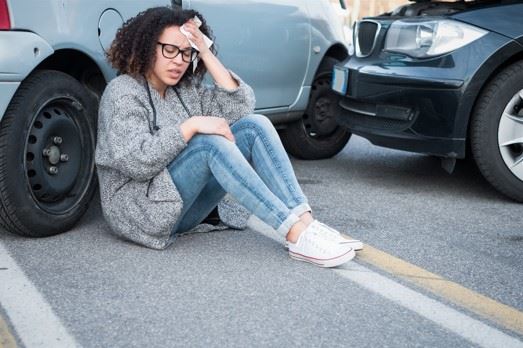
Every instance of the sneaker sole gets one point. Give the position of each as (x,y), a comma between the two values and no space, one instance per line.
(336,261)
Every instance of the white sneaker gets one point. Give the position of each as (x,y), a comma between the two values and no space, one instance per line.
(316,247)
(356,244)
(335,235)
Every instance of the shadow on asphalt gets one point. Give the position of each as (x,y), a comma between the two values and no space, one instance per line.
(405,172)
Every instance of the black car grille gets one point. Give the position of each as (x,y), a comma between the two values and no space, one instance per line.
(365,37)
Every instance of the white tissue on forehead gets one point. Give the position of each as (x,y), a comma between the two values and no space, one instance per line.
(197,20)
(208,42)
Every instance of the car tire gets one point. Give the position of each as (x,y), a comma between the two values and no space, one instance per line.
(47,142)
(317,134)
(497,132)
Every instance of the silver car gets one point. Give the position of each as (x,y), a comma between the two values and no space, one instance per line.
(53,72)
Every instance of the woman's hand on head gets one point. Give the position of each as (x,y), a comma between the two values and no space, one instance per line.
(196,36)
(219,73)
(206,125)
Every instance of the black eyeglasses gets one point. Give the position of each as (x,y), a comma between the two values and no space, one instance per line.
(172,51)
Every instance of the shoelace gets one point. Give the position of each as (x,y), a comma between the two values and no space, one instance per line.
(317,237)
(328,232)
(320,236)
(335,234)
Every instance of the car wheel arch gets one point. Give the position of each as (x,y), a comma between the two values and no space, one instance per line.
(482,78)
(85,70)
(337,51)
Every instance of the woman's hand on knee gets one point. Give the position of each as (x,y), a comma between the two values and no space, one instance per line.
(206,125)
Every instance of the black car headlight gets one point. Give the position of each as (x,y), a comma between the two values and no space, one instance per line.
(429,38)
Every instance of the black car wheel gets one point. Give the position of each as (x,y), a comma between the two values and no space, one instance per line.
(317,134)
(47,141)
(497,132)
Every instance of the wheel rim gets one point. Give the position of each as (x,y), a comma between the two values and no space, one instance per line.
(510,135)
(320,121)
(58,162)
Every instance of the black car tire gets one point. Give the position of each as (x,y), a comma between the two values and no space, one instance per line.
(317,134)
(50,123)
(495,98)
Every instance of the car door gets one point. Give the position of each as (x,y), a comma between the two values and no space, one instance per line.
(265,42)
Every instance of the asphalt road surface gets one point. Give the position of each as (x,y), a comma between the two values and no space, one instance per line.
(442,267)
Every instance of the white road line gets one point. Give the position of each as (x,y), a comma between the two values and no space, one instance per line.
(31,316)
(469,328)
(461,324)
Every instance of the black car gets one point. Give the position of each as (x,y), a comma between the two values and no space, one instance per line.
(442,78)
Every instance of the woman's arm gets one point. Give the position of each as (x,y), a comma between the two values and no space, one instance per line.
(230,97)
(206,125)
(219,73)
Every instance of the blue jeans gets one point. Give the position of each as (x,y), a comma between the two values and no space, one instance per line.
(255,170)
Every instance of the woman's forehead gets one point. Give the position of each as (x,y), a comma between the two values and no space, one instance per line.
(172,35)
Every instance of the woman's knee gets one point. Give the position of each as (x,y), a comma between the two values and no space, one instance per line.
(256,121)
(210,139)
(213,142)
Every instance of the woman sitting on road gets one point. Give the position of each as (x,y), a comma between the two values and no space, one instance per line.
(170,148)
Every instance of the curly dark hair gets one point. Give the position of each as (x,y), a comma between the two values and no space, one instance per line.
(133,51)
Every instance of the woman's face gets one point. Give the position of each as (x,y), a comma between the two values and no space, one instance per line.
(167,70)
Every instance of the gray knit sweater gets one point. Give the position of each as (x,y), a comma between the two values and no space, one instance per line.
(139,199)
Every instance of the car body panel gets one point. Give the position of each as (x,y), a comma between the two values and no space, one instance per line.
(21,52)
(245,26)
(251,36)
(503,19)
(327,31)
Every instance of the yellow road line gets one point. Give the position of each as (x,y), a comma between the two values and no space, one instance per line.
(484,306)
(6,339)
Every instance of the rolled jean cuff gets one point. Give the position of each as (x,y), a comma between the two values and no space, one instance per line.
(300,209)
(287,224)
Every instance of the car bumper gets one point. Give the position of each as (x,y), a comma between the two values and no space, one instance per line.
(413,104)
(404,113)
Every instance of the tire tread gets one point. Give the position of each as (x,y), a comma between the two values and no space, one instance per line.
(8,218)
